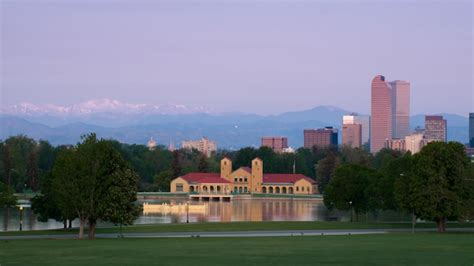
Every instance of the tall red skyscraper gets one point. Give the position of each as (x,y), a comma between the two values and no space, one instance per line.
(381,112)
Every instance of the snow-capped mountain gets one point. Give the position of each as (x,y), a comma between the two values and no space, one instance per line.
(98,106)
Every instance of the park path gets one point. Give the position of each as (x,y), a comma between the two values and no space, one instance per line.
(273,233)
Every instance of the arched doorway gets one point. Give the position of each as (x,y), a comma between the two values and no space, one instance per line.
(277,190)
(211,189)
(271,190)
(240,189)
(219,189)
(204,188)
(191,188)
(264,190)
(284,190)
(290,190)
(245,190)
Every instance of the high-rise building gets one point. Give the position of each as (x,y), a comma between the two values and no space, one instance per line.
(321,138)
(395,144)
(203,145)
(381,114)
(352,135)
(435,128)
(277,144)
(363,120)
(414,143)
(400,108)
(471,130)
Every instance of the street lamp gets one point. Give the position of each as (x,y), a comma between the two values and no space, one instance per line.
(350,202)
(187,211)
(21,218)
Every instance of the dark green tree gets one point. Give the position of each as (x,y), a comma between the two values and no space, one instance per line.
(7,198)
(346,190)
(84,177)
(176,164)
(439,184)
(203,166)
(325,170)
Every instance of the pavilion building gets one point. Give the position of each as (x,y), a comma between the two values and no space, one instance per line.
(250,180)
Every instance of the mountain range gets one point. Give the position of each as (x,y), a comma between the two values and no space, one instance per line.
(136,123)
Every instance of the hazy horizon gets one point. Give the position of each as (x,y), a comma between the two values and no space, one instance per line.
(239,56)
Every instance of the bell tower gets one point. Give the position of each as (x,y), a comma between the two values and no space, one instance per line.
(257,176)
(226,169)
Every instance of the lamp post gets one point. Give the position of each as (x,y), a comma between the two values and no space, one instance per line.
(21,218)
(350,202)
(187,211)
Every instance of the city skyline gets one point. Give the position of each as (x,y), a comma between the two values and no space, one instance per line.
(296,53)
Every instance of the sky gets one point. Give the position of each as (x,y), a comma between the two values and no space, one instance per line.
(261,57)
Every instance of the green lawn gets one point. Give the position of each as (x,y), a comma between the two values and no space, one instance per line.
(387,249)
(241,226)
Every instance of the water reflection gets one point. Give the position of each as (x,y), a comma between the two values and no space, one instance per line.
(237,210)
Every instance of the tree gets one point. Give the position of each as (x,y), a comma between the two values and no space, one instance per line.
(32,170)
(163,180)
(439,185)
(121,208)
(346,189)
(7,198)
(203,166)
(325,169)
(84,178)
(46,207)
(176,164)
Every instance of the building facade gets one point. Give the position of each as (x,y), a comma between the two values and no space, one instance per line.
(352,135)
(277,144)
(471,130)
(251,180)
(363,120)
(320,138)
(414,143)
(435,128)
(400,108)
(151,144)
(381,114)
(395,144)
(203,145)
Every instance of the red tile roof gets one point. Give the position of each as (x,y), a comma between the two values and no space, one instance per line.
(267,178)
(204,178)
(285,178)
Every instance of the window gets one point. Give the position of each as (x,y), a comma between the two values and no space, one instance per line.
(245,179)
(179,187)
(297,188)
(240,179)
(236,179)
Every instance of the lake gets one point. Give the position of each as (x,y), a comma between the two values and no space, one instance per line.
(237,210)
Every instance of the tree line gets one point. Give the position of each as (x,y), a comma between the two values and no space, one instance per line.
(350,179)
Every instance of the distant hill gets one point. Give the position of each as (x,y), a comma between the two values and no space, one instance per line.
(230,130)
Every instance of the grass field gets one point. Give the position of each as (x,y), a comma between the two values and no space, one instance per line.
(241,226)
(387,249)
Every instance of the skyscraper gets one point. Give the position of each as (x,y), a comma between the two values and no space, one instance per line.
(381,114)
(352,135)
(363,120)
(204,145)
(435,128)
(400,108)
(471,130)
(321,138)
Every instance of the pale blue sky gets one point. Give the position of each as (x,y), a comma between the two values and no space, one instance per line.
(249,56)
